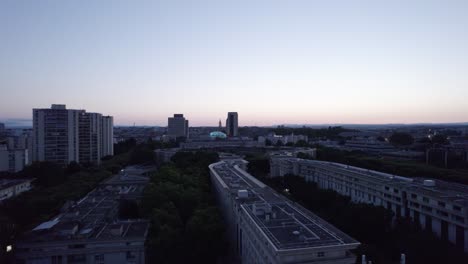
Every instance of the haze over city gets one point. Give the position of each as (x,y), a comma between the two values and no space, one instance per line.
(274,62)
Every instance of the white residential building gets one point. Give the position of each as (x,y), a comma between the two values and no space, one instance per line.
(62,135)
(439,206)
(13,160)
(107,136)
(265,227)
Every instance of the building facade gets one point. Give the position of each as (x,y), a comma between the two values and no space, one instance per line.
(62,135)
(89,231)
(232,124)
(13,160)
(12,187)
(265,227)
(438,206)
(107,136)
(178,126)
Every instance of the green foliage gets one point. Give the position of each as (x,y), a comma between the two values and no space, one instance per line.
(142,153)
(401,139)
(301,144)
(179,203)
(124,146)
(439,139)
(397,167)
(128,209)
(46,173)
(258,166)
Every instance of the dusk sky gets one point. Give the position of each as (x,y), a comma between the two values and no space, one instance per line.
(274,62)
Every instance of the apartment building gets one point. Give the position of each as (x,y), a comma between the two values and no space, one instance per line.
(177,126)
(89,231)
(439,206)
(265,227)
(63,135)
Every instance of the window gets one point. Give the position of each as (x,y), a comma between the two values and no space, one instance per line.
(441,204)
(414,196)
(456,208)
(425,199)
(99,259)
(131,255)
(320,254)
(76,259)
(76,246)
(56,259)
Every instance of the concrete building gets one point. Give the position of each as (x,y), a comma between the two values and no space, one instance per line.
(232,124)
(369,145)
(178,126)
(439,206)
(107,136)
(56,134)
(12,187)
(62,135)
(265,227)
(2,127)
(89,231)
(90,138)
(274,139)
(13,160)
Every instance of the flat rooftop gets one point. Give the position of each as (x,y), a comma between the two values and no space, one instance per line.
(7,183)
(443,190)
(95,216)
(286,224)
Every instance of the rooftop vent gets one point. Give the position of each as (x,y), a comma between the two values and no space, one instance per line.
(429,183)
(116,230)
(242,193)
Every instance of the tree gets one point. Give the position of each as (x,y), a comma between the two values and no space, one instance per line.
(301,143)
(128,209)
(142,154)
(439,139)
(401,139)
(46,173)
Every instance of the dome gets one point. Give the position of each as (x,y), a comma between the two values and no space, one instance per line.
(217,134)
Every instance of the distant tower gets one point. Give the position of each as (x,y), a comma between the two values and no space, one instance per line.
(220,125)
(232,124)
(178,126)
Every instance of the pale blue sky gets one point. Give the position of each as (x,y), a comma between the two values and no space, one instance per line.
(271,61)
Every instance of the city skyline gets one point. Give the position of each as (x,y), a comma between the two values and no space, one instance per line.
(303,62)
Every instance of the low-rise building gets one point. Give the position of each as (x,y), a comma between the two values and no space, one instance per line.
(90,231)
(274,139)
(439,206)
(12,187)
(165,155)
(265,227)
(13,160)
